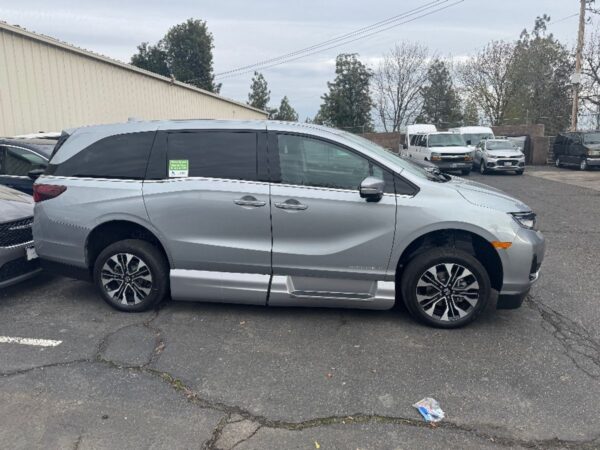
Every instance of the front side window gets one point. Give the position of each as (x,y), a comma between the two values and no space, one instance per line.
(307,161)
(19,161)
(122,156)
(215,154)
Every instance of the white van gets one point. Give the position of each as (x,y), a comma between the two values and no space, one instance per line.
(412,131)
(474,135)
(445,149)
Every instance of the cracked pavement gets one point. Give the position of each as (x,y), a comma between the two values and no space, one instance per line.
(194,375)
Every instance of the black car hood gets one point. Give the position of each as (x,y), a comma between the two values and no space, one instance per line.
(14,205)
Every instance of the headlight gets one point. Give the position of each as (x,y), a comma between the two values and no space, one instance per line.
(525,219)
(468,157)
(436,156)
(593,152)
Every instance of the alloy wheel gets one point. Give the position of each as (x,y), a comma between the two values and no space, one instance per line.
(447,292)
(557,162)
(583,165)
(126,278)
(482,166)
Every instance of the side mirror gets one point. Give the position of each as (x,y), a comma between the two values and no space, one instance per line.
(469,142)
(371,188)
(35,173)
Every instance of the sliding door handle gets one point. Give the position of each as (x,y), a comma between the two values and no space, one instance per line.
(291,204)
(249,200)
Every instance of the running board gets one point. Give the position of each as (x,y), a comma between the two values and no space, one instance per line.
(327,292)
(286,290)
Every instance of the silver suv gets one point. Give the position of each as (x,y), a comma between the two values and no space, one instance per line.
(278,214)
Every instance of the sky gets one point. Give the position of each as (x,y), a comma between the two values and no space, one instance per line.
(246,32)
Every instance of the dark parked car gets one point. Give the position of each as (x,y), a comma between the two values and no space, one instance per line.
(579,149)
(18,259)
(19,156)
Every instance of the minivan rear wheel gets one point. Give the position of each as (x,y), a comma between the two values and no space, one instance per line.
(132,275)
(445,287)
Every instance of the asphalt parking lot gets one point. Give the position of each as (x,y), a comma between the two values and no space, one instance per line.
(224,376)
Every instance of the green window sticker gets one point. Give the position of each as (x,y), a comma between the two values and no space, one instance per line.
(179,168)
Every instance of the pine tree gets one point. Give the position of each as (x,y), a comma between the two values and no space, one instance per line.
(441,104)
(286,112)
(348,103)
(259,95)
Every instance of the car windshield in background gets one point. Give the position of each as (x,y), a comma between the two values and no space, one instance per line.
(406,164)
(591,138)
(475,138)
(500,145)
(446,140)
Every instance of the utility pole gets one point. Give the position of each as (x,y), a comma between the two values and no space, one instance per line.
(576,78)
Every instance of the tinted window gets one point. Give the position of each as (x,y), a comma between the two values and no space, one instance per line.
(123,156)
(311,162)
(19,161)
(215,154)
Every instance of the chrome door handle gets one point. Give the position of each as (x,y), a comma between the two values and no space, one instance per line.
(292,204)
(249,200)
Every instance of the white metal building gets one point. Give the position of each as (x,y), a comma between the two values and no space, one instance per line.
(47,85)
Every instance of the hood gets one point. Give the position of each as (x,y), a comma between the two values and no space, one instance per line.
(450,150)
(504,153)
(14,205)
(482,195)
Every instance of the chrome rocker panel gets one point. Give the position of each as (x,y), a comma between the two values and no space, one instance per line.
(285,290)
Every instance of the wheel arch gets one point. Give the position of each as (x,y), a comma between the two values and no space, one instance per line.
(116,229)
(476,243)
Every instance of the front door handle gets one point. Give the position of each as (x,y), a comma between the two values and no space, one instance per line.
(249,200)
(292,204)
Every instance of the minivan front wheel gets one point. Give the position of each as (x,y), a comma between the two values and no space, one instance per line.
(583,165)
(445,287)
(132,275)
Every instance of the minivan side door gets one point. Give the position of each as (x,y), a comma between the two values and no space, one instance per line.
(327,240)
(210,203)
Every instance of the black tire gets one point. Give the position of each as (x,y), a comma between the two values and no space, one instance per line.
(519,172)
(482,169)
(465,172)
(434,258)
(152,259)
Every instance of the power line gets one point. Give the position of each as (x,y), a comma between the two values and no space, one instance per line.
(345,42)
(335,39)
(562,19)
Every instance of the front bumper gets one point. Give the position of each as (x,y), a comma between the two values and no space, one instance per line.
(522,261)
(498,165)
(453,165)
(14,266)
(593,162)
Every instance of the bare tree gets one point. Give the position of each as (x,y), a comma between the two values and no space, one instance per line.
(397,84)
(486,79)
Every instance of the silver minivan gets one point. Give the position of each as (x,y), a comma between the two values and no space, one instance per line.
(277,214)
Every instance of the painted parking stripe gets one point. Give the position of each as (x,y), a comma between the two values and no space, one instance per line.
(29,341)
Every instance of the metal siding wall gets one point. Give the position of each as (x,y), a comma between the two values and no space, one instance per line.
(47,88)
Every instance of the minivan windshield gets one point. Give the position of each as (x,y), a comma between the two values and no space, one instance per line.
(393,158)
(475,138)
(591,138)
(446,140)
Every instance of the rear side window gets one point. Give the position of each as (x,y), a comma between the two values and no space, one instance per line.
(215,154)
(19,161)
(123,156)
